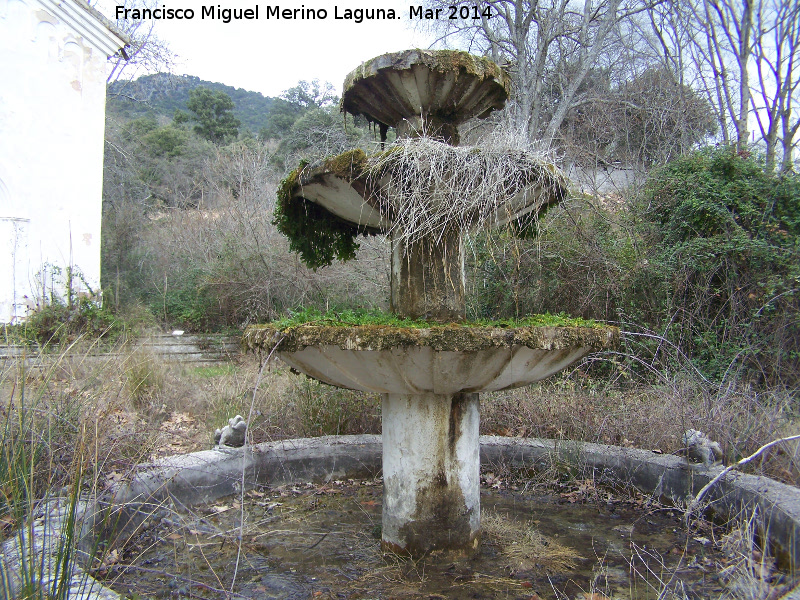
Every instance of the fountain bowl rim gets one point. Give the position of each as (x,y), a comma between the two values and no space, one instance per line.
(452,337)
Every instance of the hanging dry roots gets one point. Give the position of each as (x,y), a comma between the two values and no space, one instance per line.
(428,187)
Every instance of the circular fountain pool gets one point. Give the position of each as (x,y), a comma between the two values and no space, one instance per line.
(566,540)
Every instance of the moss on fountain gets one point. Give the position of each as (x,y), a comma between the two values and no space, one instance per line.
(319,236)
(349,165)
(439,60)
(464,65)
(382,332)
(347,318)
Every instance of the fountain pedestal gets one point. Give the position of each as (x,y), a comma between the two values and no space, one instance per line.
(429,379)
(431,473)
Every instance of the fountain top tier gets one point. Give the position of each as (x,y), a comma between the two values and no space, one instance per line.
(425,91)
(424,191)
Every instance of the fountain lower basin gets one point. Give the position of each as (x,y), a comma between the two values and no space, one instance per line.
(438,360)
(430,379)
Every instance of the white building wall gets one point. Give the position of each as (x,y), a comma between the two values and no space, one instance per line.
(52,119)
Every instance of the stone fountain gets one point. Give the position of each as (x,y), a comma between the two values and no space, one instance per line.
(429,377)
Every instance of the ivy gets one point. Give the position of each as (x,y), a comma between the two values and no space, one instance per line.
(726,246)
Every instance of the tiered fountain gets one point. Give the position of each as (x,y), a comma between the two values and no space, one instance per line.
(429,377)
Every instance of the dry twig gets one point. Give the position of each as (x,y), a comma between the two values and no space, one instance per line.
(698,498)
(430,187)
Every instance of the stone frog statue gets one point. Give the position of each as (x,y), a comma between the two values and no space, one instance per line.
(232,434)
(700,448)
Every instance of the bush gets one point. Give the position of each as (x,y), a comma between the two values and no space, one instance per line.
(57,323)
(326,410)
(704,261)
(725,259)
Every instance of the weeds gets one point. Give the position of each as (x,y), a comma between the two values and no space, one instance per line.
(433,187)
(349,318)
(326,410)
(42,461)
(144,377)
(750,572)
(58,323)
(574,407)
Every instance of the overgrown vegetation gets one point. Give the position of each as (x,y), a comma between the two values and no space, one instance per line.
(316,234)
(422,187)
(725,258)
(349,317)
(187,229)
(703,263)
(57,323)
(325,410)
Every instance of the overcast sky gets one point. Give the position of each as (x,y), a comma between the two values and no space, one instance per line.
(272,55)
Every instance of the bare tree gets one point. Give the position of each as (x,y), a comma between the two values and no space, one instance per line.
(723,43)
(669,38)
(777,58)
(549,46)
(747,56)
(147,52)
(647,120)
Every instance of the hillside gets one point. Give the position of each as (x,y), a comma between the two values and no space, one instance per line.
(161,94)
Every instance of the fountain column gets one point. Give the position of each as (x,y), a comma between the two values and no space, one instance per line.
(428,278)
(431,444)
(431,473)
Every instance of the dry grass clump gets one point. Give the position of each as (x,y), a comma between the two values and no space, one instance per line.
(751,572)
(651,417)
(430,187)
(130,406)
(318,409)
(78,403)
(524,547)
(144,376)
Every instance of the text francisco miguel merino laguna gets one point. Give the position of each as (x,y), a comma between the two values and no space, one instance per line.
(226,15)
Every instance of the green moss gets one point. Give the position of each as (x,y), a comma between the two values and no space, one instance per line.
(349,165)
(319,236)
(350,318)
(439,60)
(379,331)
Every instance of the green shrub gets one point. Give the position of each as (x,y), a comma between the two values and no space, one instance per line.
(57,323)
(704,263)
(725,259)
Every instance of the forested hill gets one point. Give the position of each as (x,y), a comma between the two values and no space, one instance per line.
(161,94)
